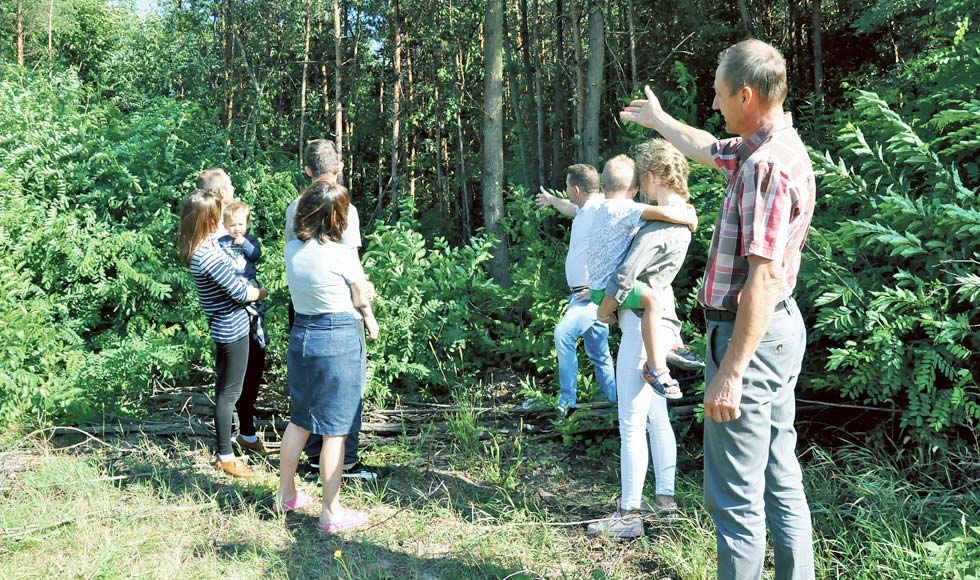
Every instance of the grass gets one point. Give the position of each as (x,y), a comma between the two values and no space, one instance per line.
(490,508)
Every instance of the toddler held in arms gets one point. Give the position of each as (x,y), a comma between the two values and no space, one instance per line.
(616,223)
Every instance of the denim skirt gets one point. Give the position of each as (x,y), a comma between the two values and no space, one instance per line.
(325,371)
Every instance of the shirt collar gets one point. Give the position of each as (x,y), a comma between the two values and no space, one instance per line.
(748,145)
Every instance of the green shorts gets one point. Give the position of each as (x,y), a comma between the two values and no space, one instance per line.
(632,299)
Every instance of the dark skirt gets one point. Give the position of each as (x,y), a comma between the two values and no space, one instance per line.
(325,371)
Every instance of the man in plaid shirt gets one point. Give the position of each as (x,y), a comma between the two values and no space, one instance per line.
(755,333)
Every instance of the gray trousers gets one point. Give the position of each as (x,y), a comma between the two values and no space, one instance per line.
(751,474)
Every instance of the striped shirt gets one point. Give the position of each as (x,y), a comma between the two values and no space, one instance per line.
(766,211)
(222,294)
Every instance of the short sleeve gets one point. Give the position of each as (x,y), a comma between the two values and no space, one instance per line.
(724,153)
(766,208)
(352,235)
(349,265)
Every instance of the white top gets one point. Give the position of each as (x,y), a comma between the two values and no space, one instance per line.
(577,259)
(616,222)
(350,237)
(319,276)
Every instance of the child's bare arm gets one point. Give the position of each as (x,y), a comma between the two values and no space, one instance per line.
(677,214)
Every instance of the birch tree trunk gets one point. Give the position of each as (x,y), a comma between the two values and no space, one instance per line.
(337,70)
(50,31)
(324,80)
(20,32)
(493,138)
(593,98)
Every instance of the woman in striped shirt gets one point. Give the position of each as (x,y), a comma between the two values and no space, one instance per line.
(223,297)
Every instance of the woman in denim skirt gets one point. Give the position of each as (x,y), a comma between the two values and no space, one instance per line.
(325,362)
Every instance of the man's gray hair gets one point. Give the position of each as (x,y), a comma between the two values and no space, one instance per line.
(757,64)
(321,157)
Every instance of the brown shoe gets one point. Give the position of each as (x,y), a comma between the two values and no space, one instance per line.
(234,468)
(256,446)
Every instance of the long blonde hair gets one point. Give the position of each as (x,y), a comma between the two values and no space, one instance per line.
(666,162)
(199,215)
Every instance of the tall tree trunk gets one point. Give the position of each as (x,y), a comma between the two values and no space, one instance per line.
(50,31)
(302,91)
(410,138)
(631,29)
(440,176)
(817,36)
(513,84)
(20,32)
(558,101)
(579,77)
(743,10)
(493,138)
(538,97)
(525,43)
(337,70)
(466,217)
(322,69)
(229,72)
(381,147)
(593,98)
(396,62)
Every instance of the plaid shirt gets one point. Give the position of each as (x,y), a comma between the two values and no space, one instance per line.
(766,211)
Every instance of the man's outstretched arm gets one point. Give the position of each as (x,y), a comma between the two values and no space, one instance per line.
(694,143)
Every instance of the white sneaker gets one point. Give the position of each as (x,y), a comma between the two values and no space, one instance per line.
(651,513)
(618,524)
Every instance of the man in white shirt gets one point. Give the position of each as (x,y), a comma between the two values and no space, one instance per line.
(323,163)
(584,198)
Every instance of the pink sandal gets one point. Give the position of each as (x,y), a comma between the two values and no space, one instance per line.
(300,501)
(350,520)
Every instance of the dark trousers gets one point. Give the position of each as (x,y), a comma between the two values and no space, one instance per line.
(238,372)
(315,442)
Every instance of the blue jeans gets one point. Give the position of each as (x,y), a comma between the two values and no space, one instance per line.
(580,320)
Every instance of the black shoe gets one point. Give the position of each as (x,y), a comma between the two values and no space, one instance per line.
(309,467)
(368,472)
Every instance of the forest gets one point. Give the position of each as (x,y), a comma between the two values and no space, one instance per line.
(449,116)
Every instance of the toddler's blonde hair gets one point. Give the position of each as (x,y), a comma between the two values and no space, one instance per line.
(618,173)
(234,208)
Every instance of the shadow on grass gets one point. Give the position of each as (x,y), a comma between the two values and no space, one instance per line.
(368,553)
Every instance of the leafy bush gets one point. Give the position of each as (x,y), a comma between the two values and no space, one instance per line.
(892,285)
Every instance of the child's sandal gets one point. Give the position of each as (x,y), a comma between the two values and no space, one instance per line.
(662,384)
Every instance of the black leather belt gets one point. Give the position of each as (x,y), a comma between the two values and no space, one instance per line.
(715,315)
(577,289)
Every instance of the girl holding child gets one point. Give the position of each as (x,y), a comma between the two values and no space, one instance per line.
(654,258)
(223,296)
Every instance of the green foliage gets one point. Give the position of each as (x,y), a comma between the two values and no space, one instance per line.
(437,308)
(892,283)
